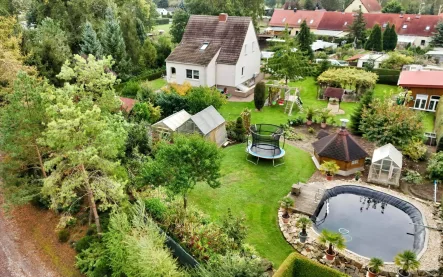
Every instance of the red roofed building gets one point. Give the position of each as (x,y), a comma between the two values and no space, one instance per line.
(366,6)
(127,104)
(294,18)
(426,87)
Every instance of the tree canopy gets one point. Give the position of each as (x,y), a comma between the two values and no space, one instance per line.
(396,61)
(357,30)
(437,37)
(348,78)
(179,21)
(375,40)
(393,6)
(304,40)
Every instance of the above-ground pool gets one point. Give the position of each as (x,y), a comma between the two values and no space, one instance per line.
(373,223)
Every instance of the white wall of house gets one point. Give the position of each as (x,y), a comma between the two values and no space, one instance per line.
(355,6)
(211,71)
(180,74)
(249,60)
(225,75)
(422,41)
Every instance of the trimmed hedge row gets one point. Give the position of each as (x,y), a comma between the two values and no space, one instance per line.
(297,265)
(387,76)
(162,21)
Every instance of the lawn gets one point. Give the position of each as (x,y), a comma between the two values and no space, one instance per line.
(255,190)
(308,94)
(157,83)
(164,27)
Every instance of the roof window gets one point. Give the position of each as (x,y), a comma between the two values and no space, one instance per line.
(283,20)
(346,23)
(312,21)
(428,28)
(385,24)
(299,20)
(204,46)
(405,26)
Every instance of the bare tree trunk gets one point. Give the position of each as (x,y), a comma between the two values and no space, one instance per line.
(40,160)
(92,205)
(90,212)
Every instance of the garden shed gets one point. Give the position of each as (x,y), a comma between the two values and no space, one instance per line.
(341,148)
(386,166)
(165,127)
(209,123)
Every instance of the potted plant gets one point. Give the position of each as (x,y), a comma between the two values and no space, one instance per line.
(357,175)
(286,204)
(324,116)
(407,261)
(303,223)
(309,115)
(334,241)
(374,267)
(329,168)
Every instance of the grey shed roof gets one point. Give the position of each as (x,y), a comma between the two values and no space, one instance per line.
(174,120)
(226,37)
(208,119)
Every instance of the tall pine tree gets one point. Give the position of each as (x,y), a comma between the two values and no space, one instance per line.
(393,38)
(375,41)
(437,38)
(356,115)
(90,43)
(387,38)
(113,42)
(304,40)
(357,30)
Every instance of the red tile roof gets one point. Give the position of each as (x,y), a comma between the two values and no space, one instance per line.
(295,19)
(355,57)
(421,79)
(415,25)
(371,5)
(127,103)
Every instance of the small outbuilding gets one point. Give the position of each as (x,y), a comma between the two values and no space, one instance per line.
(386,166)
(170,124)
(209,123)
(341,148)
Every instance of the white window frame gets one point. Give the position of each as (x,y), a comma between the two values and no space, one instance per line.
(354,162)
(420,98)
(195,74)
(435,101)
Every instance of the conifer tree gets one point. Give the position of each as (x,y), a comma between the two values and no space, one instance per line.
(437,38)
(357,30)
(393,38)
(387,37)
(90,43)
(304,40)
(113,42)
(375,41)
(356,115)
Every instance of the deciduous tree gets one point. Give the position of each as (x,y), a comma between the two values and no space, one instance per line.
(396,61)
(180,165)
(309,5)
(148,55)
(393,6)
(435,167)
(179,22)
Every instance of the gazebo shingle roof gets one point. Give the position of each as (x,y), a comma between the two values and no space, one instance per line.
(340,146)
(334,92)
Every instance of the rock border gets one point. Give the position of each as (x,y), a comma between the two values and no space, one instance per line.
(431,257)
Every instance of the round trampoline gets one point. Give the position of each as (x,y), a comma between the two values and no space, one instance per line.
(264,143)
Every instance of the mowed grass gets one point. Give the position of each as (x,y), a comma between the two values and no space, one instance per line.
(255,191)
(164,27)
(157,83)
(308,94)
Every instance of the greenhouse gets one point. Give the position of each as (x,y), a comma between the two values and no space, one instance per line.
(386,166)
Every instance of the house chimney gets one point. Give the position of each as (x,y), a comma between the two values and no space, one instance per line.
(223,17)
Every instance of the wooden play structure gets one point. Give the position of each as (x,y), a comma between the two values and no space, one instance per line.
(287,96)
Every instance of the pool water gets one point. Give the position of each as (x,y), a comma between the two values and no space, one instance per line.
(371,228)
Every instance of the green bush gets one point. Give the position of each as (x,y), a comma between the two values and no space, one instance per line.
(297,265)
(83,243)
(131,88)
(259,95)
(63,235)
(415,150)
(412,177)
(297,121)
(162,21)
(387,76)
(156,208)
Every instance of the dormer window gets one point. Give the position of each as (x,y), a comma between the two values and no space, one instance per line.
(283,20)
(405,26)
(346,23)
(385,24)
(299,21)
(428,28)
(312,21)
(204,46)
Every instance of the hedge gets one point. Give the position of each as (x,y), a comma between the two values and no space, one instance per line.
(297,265)
(162,21)
(387,76)
(151,74)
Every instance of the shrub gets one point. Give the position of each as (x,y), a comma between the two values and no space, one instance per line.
(413,177)
(311,130)
(415,150)
(131,88)
(296,265)
(259,95)
(435,167)
(155,208)
(231,265)
(234,227)
(297,121)
(84,243)
(170,103)
(240,132)
(63,235)
(161,21)
(200,98)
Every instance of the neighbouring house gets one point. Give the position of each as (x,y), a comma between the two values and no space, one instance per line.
(376,58)
(162,11)
(171,10)
(341,148)
(386,166)
(127,104)
(410,28)
(220,51)
(426,88)
(209,123)
(436,54)
(320,45)
(419,67)
(354,59)
(366,6)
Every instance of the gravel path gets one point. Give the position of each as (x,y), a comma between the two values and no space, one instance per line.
(17,257)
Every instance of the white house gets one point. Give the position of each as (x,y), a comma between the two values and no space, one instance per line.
(220,51)
(377,59)
(366,6)
(162,11)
